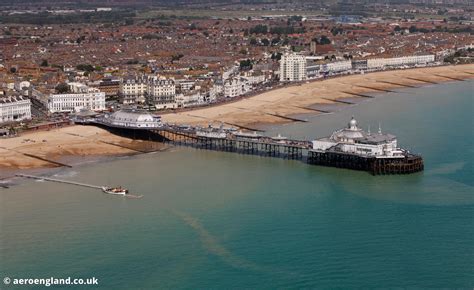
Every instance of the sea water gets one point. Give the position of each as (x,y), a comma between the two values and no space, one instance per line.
(223,220)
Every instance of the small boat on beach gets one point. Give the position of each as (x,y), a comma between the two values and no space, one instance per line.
(115,190)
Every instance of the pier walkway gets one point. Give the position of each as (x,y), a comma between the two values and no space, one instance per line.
(252,143)
(71,182)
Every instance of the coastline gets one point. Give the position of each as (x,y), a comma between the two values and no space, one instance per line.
(297,99)
(69,146)
(72,143)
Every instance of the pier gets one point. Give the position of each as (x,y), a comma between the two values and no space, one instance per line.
(70,182)
(252,143)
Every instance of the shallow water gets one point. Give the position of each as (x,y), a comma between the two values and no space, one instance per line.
(222,220)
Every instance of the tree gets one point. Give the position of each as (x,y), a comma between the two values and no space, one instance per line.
(253,41)
(412,29)
(13,70)
(62,88)
(259,29)
(85,67)
(276,56)
(276,40)
(324,40)
(44,62)
(265,42)
(336,30)
(246,64)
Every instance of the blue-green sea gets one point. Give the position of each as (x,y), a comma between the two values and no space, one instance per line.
(222,220)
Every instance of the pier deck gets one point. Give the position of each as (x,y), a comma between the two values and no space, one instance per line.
(228,140)
(70,182)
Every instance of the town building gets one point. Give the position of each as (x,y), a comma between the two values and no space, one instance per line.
(379,63)
(109,86)
(132,89)
(292,67)
(79,97)
(235,86)
(156,91)
(14,108)
(161,92)
(189,99)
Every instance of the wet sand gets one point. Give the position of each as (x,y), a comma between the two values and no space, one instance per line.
(66,145)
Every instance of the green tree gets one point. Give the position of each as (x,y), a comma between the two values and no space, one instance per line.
(44,62)
(324,40)
(62,88)
(246,64)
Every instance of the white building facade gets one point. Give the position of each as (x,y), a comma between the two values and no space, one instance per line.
(378,63)
(14,109)
(80,97)
(292,67)
(235,86)
(353,140)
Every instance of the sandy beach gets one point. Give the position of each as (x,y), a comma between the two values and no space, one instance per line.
(291,100)
(81,141)
(59,144)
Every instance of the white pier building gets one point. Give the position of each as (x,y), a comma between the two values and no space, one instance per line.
(353,140)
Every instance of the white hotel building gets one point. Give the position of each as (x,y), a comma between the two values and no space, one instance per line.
(80,97)
(292,67)
(14,108)
(377,63)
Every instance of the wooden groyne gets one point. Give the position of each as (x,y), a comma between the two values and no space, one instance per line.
(46,160)
(397,84)
(339,101)
(39,158)
(375,89)
(70,182)
(287,118)
(449,78)
(312,109)
(358,95)
(122,146)
(423,81)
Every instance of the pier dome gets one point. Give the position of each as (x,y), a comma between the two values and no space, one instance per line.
(348,134)
(134,119)
(132,116)
(352,124)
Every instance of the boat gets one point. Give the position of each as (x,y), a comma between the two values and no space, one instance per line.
(115,190)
